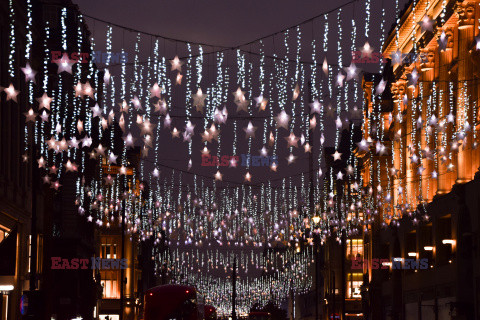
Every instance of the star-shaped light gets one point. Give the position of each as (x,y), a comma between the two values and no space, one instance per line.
(155,91)
(393,171)
(178,78)
(261,102)
(443,41)
(339,175)
(136,103)
(55,185)
(11,93)
(187,137)
(291,158)
(146,127)
(106,76)
(413,78)
(242,104)
(161,106)
(218,176)
(292,140)
(189,128)
(205,151)
(78,89)
(239,94)
(349,170)
(248,177)
(29,73)
(100,150)
(30,115)
(420,170)
(325,66)
(232,163)
(340,78)
(206,136)
(273,167)
(167,121)
(46,179)
(156,173)
(307,147)
(337,156)
(175,133)
(44,102)
(250,130)
(434,174)
(315,107)
(41,162)
(396,57)
(112,158)
(176,64)
(296,92)
(199,100)
(366,50)
(97,111)
(338,123)
(352,72)
(426,23)
(220,115)
(380,87)
(282,120)
(44,116)
(73,143)
(313,123)
(64,64)
(87,141)
(450,118)
(71,166)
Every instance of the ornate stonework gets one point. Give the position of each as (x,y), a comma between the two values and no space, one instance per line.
(466,13)
(427,58)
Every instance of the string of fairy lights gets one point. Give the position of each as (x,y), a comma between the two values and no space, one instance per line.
(271,111)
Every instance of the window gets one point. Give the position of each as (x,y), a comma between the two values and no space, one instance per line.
(110,283)
(109,248)
(354,249)
(355,281)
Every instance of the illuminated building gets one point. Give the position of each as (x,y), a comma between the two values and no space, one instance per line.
(425,186)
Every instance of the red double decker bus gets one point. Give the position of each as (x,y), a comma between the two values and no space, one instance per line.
(173,301)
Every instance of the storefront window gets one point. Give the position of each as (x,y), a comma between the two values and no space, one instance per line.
(355,281)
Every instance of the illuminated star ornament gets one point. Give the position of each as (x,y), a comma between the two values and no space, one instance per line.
(29,73)
(11,93)
(176,64)
(199,100)
(396,57)
(282,120)
(426,24)
(315,107)
(64,64)
(337,156)
(261,102)
(352,72)
(442,41)
(250,130)
(366,50)
(155,91)
(292,140)
(340,78)
(44,102)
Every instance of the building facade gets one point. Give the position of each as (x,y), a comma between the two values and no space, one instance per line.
(423,191)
